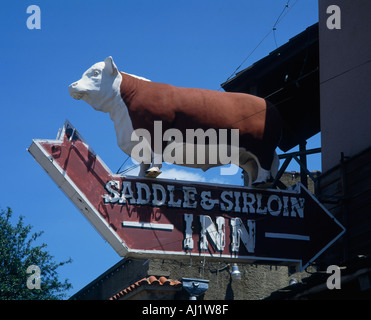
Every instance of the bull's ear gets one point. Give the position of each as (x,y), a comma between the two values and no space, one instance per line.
(110,66)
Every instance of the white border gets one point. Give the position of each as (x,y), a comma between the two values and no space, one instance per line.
(288,236)
(148,225)
(65,183)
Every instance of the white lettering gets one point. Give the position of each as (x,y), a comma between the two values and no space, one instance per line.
(333,281)
(189,197)
(171,202)
(142,187)
(259,208)
(141,152)
(173,152)
(333,21)
(234,149)
(195,146)
(188,241)
(153,310)
(157,202)
(115,195)
(126,187)
(239,232)
(200,135)
(237,201)
(274,198)
(207,309)
(148,193)
(34,20)
(34,280)
(208,229)
(206,202)
(230,203)
(157,150)
(285,206)
(249,204)
(297,204)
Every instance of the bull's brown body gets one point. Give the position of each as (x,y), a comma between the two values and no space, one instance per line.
(257,120)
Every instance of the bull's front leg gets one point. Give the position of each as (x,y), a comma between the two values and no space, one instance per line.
(264,176)
(151,170)
(257,176)
(150,163)
(143,169)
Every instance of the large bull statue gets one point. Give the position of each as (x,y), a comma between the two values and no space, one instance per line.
(134,102)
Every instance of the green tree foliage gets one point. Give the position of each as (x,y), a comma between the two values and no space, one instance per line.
(18,251)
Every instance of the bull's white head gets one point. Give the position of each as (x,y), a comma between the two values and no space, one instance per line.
(99,85)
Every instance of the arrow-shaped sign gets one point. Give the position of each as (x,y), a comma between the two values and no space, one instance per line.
(143,217)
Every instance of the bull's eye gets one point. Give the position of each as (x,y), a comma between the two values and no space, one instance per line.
(95,73)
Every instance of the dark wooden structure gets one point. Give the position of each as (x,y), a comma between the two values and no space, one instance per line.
(346,192)
(345,185)
(289,78)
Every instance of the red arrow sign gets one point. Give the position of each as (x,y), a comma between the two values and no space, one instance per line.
(157,217)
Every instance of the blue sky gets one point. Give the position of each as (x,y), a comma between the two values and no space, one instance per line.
(185,43)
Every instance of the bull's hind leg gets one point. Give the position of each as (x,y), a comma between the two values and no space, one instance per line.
(258,176)
(265,177)
(268,161)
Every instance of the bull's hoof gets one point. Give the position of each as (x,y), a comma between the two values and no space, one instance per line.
(262,184)
(153,172)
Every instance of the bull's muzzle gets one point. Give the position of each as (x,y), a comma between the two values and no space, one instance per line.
(74,91)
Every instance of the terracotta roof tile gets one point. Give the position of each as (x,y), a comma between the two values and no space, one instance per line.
(164,281)
(152,281)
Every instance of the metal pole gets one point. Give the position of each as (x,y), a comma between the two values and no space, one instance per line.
(303,160)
